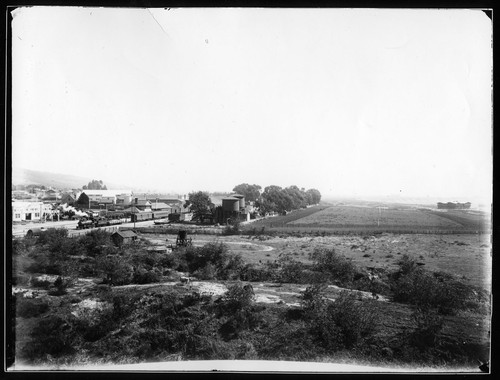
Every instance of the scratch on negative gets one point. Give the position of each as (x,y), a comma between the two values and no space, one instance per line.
(154,18)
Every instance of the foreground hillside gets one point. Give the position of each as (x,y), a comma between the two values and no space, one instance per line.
(383,300)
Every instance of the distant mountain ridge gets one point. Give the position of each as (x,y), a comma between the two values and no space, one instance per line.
(21,176)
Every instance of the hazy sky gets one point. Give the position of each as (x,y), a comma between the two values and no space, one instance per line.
(351,102)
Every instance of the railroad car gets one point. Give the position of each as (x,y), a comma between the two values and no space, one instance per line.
(139,217)
(160,214)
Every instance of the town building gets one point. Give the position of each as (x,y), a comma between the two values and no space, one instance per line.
(31,211)
(104,198)
(160,206)
(122,237)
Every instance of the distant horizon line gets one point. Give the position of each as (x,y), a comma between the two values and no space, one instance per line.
(324,196)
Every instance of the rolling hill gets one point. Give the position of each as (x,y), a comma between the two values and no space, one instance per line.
(22,176)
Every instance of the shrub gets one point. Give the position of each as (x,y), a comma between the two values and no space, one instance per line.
(429,290)
(312,298)
(237,297)
(214,253)
(232,268)
(60,287)
(288,341)
(292,271)
(144,276)
(236,308)
(233,228)
(344,323)
(44,284)
(95,324)
(338,268)
(27,308)
(208,272)
(428,325)
(52,236)
(96,242)
(114,269)
(53,336)
(250,272)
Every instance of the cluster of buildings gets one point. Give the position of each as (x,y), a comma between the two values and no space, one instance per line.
(41,204)
(44,204)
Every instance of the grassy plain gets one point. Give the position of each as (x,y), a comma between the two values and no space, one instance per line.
(372,219)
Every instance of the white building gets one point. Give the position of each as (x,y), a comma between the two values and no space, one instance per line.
(30,211)
(106,196)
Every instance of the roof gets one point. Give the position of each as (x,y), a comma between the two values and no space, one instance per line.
(142,202)
(125,234)
(107,193)
(159,205)
(133,209)
(170,200)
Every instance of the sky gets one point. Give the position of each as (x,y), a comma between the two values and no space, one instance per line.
(352,102)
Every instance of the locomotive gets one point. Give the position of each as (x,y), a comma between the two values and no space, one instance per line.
(97,222)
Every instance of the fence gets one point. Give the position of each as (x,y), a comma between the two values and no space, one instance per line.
(174,230)
(76,233)
(358,230)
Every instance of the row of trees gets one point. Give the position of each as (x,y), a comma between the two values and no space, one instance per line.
(272,199)
(291,197)
(277,199)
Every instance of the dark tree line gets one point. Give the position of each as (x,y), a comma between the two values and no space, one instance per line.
(276,199)
(95,185)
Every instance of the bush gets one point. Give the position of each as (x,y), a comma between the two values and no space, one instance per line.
(51,336)
(53,237)
(428,326)
(250,272)
(429,290)
(292,271)
(339,269)
(96,242)
(237,297)
(114,270)
(95,324)
(61,286)
(232,268)
(144,276)
(44,284)
(214,253)
(208,272)
(288,341)
(344,323)
(27,308)
(233,228)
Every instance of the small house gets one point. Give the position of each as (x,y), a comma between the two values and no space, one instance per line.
(123,237)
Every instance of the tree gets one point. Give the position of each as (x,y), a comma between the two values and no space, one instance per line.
(251,192)
(315,195)
(276,195)
(83,200)
(200,203)
(95,185)
(297,196)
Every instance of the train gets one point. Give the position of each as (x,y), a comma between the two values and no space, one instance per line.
(97,222)
(94,222)
(149,215)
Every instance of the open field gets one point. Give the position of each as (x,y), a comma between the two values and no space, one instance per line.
(355,219)
(465,255)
